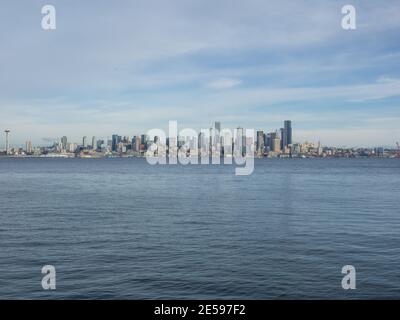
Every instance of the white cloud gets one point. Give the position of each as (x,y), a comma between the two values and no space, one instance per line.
(223,83)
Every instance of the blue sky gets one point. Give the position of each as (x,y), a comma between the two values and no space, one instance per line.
(129,66)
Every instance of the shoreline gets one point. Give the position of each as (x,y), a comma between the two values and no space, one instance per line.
(144,157)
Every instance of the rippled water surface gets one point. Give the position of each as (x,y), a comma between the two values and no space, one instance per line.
(120,228)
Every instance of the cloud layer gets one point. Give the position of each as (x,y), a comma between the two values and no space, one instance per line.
(132,66)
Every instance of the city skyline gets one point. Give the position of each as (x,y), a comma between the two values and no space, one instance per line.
(216,140)
(214,128)
(185,62)
(93,138)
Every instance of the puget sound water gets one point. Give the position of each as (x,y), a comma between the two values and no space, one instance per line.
(121,228)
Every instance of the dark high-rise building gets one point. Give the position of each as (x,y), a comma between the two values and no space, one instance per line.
(272,137)
(144,138)
(217,126)
(240,143)
(267,140)
(283,138)
(84,142)
(115,140)
(64,141)
(99,144)
(288,133)
(136,142)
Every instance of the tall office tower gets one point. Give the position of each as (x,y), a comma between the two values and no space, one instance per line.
(144,139)
(137,143)
(205,143)
(267,141)
(227,143)
(217,126)
(212,136)
(217,133)
(283,138)
(99,144)
(276,144)
(84,141)
(288,133)
(275,141)
(115,140)
(133,143)
(200,140)
(64,142)
(240,141)
(93,142)
(260,142)
(272,137)
(28,147)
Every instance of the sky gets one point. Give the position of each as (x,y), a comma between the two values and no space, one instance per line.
(130,66)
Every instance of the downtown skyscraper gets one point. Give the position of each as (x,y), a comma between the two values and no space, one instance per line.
(286,134)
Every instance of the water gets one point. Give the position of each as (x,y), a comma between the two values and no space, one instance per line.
(120,228)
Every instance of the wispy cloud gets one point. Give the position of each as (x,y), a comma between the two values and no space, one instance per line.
(223,83)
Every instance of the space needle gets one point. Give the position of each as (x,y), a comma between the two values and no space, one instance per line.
(7,141)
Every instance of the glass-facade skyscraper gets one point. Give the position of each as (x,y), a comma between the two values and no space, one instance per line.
(287,130)
(115,140)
